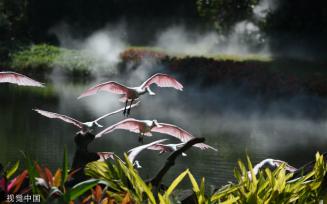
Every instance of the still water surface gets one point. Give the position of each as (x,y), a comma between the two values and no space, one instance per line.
(291,129)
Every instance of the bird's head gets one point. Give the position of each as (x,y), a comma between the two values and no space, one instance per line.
(92,125)
(156,123)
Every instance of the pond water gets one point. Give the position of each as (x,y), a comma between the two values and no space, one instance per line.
(291,129)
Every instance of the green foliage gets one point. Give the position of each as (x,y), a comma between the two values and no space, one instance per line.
(138,53)
(223,14)
(118,182)
(45,57)
(122,179)
(274,186)
(79,189)
(12,170)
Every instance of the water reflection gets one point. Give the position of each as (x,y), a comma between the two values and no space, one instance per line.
(233,123)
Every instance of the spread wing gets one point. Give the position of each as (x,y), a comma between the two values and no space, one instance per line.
(163,80)
(19,79)
(204,146)
(130,124)
(65,118)
(174,131)
(135,151)
(109,86)
(179,133)
(162,148)
(117,111)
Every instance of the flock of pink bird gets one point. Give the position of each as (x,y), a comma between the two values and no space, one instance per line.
(129,95)
(141,127)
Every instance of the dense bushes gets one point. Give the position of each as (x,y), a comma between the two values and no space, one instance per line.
(255,74)
(43,58)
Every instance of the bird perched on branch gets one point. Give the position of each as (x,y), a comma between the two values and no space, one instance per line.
(133,93)
(146,127)
(19,79)
(84,127)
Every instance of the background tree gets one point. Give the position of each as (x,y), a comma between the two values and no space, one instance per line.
(224,14)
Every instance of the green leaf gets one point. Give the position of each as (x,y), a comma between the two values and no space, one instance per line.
(12,170)
(80,189)
(32,173)
(194,183)
(175,183)
(139,181)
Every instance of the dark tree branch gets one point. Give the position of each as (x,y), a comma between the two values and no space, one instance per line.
(156,180)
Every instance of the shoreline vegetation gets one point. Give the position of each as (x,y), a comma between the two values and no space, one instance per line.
(117,181)
(255,73)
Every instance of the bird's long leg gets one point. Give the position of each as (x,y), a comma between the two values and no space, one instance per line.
(130,107)
(124,112)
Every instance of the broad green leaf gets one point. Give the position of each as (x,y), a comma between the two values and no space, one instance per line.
(194,183)
(175,183)
(140,181)
(79,189)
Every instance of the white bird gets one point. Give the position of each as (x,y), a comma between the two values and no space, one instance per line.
(19,79)
(83,126)
(133,93)
(272,164)
(145,127)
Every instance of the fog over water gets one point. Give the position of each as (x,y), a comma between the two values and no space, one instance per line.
(291,128)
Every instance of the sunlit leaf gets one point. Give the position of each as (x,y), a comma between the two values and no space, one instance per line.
(175,183)
(80,188)
(12,170)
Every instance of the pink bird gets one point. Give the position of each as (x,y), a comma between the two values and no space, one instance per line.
(157,146)
(84,127)
(135,151)
(133,93)
(145,127)
(105,156)
(19,79)
(163,148)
